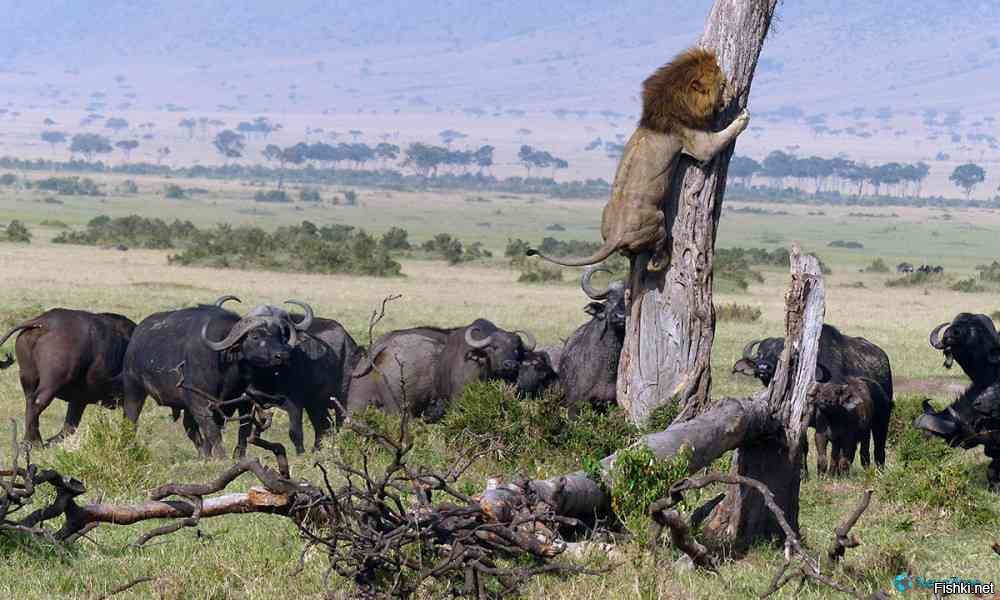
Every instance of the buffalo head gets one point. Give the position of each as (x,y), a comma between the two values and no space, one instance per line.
(972,341)
(609,304)
(535,373)
(760,360)
(264,337)
(501,351)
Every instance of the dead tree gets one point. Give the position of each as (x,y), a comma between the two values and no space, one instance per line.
(668,342)
(766,429)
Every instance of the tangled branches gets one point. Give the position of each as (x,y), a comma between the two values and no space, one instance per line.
(665,516)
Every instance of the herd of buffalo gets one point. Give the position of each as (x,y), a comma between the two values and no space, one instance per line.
(209,365)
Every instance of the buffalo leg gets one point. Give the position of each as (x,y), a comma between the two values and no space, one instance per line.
(191,429)
(295,426)
(35,404)
(866,459)
(74,414)
(319,416)
(211,436)
(134,399)
(880,431)
(993,469)
(821,440)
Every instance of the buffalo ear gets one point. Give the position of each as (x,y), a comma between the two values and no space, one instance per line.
(745,367)
(994,354)
(595,309)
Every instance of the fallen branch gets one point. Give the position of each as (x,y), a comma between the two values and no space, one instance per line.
(125,587)
(841,541)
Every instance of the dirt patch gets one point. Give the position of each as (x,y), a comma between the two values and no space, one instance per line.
(947,387)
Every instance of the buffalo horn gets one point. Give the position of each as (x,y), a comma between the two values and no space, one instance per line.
(474,342)
(588,288)
(934,339)
(529,340)
(748,352)
(235,334)
(223,299)
(307,319)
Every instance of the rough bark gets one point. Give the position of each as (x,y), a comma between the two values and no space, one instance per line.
(668,342)
(775,460)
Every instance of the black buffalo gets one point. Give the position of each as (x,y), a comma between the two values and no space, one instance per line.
(427,367)
(971,341)
(537,371)
(904,267)
(843,415)
(69,354)
(318,370)
(216,352)
(588,367)
(840,357)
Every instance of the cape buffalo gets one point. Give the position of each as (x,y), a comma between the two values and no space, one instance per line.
(840,357)
(317,370)
(69,354)
(217,354)
(431,366)
(537,371)
(972,341)
(588,367)
(843,415)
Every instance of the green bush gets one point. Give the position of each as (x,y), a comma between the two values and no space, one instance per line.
(106,454)
(638,479)
(970,285)
(990,272)
(17,232)
(916,278)
(929,473)
(516,248)
(276,196)
(743,313)
(69,186)
(308,195)
(489,413)
(133,230)
(395,239)
(452,250)
(8,179)
(129,187)
(174,192)
(877,266)
(536,271)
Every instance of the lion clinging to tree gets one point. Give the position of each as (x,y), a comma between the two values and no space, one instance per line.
(679,101)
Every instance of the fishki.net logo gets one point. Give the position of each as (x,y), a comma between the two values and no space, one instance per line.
(951,585)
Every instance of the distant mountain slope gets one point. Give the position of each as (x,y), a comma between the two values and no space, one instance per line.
(519,53)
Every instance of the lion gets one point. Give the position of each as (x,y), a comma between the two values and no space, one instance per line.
(679,102)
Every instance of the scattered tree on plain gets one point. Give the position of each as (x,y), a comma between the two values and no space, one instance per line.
(89,144)
(967,177)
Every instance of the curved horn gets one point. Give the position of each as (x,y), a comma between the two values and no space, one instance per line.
(474,342)
(223,299)
(588,288)
(307,319)
(529,340)
(934,339)
(234,335)
(748,352)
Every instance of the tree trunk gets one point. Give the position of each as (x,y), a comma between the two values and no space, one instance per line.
(766,430)
(668,342)
(775,460)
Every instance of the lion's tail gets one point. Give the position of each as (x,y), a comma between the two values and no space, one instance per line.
(602,253)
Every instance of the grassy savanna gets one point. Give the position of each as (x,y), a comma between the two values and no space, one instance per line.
(257,556)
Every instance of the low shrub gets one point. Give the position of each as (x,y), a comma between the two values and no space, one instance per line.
(638,479)
(18,233)
(916,278)
(970,285)
(174,192)
(275,196)
(846,244)
(876,266)
(535,271)
(107,454)
(742,313)
(69,186)
(308,195)
(443,245)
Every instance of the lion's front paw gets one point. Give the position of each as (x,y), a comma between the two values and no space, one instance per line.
(742,120)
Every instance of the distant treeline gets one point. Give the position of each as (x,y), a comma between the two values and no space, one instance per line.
(305,247)
(386,178)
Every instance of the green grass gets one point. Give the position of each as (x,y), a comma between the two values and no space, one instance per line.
(254,557)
